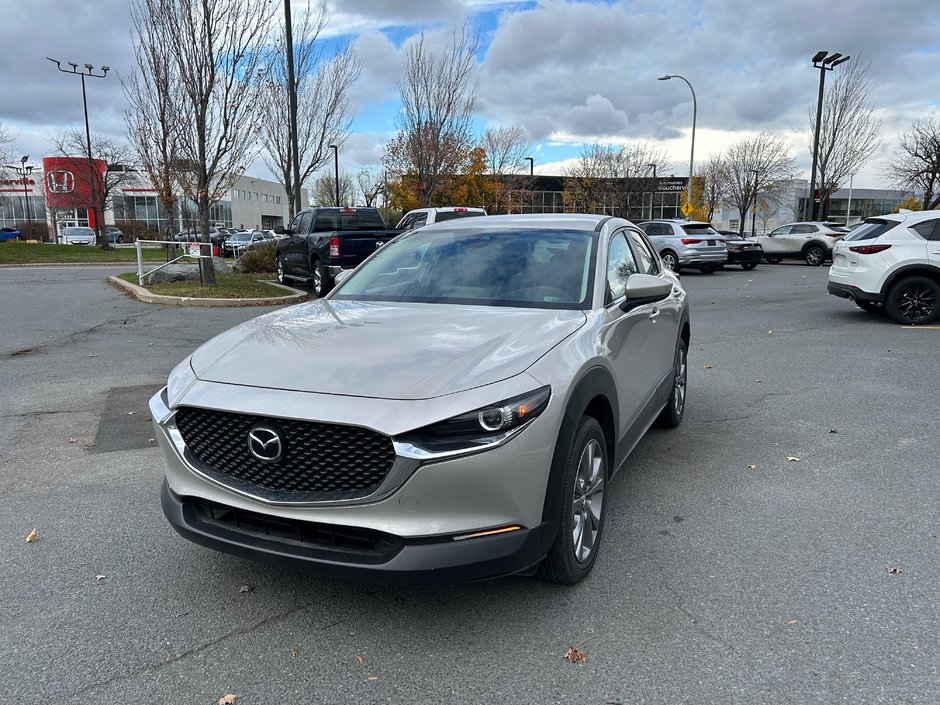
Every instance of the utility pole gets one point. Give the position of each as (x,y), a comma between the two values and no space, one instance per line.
(824,63)
(292,108)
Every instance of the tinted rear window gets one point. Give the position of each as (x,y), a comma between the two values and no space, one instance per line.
(699,229)
(336,219)
(871,229)
(451,215)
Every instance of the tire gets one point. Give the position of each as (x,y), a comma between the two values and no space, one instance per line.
(322,281)
(748,265)
(569,560)
(670,261)
(708,269)
(672,413)
(814,255)
(913,301)
(870,306)
(282,278)
(120,240)
(774,260)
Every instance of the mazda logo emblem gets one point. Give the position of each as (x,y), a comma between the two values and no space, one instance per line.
(265,444)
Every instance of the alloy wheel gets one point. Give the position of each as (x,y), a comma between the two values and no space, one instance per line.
(669,261)
(588,501)
(917,303)
(814,256)
(680,382)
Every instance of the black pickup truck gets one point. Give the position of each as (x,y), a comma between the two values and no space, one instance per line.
(322,241)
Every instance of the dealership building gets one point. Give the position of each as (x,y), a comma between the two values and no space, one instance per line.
(59,193)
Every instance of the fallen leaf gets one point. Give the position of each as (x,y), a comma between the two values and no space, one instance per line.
(228,699)
(833,430)
(131,413)
(752,467)
(574,654)
(293,652)
(151,440)
(359,659)
(372,678)
(181,614)
(677,519)
(73,440)
(791,621)
(770,332)
(246,588)
(33,535)
(894,569)
(100,577)
(793,459)
(92,355)
(758,381)
(613,701)
(707,367)
(89,445)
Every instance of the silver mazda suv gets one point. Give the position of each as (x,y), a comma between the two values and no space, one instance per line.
(452,411)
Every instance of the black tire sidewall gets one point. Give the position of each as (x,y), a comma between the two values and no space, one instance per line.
(891,302)
(749,265)
(822,255)
(667,417)
(560,565)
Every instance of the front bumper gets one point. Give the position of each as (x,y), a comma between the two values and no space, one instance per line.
(847,291)
(437,560)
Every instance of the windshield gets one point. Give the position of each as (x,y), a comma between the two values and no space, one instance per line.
(484,267)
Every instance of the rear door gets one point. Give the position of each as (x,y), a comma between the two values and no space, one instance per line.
(799,235)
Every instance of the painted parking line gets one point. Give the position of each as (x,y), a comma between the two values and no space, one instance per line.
(921,327)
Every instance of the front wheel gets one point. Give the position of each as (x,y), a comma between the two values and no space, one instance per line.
(671,415)
(814,255)
(913,301)
(282,278)
(581,523)
(748,265)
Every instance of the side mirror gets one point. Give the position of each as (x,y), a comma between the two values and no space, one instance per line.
(644,289)
(279,229)
(342,276)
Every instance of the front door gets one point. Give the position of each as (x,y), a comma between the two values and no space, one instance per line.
(295,250)
(775,242)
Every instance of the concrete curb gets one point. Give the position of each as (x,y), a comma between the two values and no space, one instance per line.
(139,292)
(14,265)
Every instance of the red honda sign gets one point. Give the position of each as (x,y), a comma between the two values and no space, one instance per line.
(67,181)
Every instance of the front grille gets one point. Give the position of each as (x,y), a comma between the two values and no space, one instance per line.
(320,461)
(357,544)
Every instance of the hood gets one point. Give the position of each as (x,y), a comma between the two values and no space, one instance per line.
(383,350)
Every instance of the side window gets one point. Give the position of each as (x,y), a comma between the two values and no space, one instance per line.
(620,265)
(784,230)
(294,226)
(644,254)
(803,229)
(421,219)
(406,222)
(927,229)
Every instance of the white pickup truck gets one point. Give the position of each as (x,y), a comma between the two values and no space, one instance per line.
(425,216)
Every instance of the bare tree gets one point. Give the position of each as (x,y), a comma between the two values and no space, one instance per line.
(5,139)
(371,184)
(849,131)
(118,158)
(713,192)
(151,119)
(218,53)
(504,151)
(916,164)
(324,190)
(438,94)
(322,87)
(612,179)
(759,164)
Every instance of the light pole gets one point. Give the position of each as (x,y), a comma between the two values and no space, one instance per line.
(848,207)
(824,63)
(754,204)
(25,171)
(655,188)
(292,108)
(92,181)
(336,170)
(531,164)
(694,116)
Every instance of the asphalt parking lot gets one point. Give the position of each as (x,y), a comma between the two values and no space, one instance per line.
(729,573)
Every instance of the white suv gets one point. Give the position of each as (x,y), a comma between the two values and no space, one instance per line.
(420,217)
(810,242)
(891,263)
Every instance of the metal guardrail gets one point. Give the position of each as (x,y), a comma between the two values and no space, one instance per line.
(193,252)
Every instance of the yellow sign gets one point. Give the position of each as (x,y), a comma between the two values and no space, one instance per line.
(686,209)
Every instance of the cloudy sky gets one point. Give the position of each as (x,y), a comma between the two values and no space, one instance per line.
(571,72)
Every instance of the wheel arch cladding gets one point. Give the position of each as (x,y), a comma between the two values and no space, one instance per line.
(913,270)
(596,395)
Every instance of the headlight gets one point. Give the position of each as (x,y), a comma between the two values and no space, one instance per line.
(476,430)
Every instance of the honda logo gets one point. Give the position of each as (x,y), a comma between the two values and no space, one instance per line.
(60,181)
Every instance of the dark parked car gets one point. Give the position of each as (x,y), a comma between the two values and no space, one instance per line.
(742,251)
(9,234)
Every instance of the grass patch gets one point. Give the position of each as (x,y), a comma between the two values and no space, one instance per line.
(228,286)
(36,253)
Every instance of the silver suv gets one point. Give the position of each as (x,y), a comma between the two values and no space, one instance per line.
(453,410)
(687,243)
(810,242)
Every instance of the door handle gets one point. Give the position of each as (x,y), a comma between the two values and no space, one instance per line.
(654,315)
(935,252)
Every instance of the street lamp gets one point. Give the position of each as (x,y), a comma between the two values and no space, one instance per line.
(754,205)
(531,164)
(336,170)
(90,72)
(824,63)
(25,171)
(694,116)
